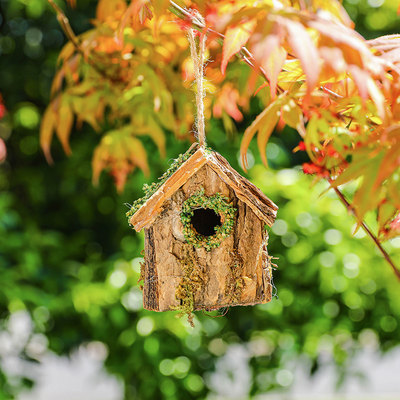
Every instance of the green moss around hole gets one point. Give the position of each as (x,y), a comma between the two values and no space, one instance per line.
(217,203)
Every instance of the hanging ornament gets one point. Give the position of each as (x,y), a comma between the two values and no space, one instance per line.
(205,228)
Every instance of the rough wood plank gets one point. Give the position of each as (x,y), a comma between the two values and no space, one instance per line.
(150,284)
(266,292)
(169,251)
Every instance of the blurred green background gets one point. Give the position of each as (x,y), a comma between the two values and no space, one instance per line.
(69,259)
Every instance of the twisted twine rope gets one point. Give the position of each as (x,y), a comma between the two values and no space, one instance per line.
(198,63)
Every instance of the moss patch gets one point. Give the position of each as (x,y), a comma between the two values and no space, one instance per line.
(220,205)
(234,284)
(192,282)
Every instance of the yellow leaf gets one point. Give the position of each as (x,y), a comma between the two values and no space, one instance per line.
(291,72)
(66,52)
(57,81)
(293,116)
(64,125)
(265,131)
(273,66)
(378,98)
(235,38)
(119,152)
(107,8)
(264,124)
(152,129)
(46,132)
(335,8)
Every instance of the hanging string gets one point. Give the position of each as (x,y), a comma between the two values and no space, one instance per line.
(198,63)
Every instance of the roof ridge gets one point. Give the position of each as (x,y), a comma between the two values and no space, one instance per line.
(142,214)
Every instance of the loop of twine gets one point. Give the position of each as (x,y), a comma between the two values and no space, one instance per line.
(198,63)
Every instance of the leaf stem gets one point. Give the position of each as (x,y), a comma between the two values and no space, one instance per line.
(368,231)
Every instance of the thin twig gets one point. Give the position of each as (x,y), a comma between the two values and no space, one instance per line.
(65,25)
(70,34)
(368,232)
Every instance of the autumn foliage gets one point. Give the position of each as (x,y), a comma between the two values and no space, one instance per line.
(131,75)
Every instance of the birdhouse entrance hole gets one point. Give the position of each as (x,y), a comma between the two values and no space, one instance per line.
(205,220)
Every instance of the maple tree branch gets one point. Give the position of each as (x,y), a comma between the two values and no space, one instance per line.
(65,25)
(70,34)
(248,57)
(244,53)
(368,231)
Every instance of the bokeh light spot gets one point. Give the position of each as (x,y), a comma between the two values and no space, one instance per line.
(133,300)
(168,388)
(166,367)
(194,383)
(327,259)
(181,366)
(280,227)
(27,116)
(217,347)
(289,239)
(332,237)
(117,279)
(304,220)
(331,309)
(388,323)
(145,326)
(284,377)
(151,346)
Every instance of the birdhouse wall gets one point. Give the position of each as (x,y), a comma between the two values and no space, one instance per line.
(235,273)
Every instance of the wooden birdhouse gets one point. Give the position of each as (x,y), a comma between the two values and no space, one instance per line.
(205,237)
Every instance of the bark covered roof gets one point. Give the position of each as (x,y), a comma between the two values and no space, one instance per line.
(247,192)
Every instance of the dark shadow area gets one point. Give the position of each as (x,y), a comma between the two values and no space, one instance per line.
(205,220)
